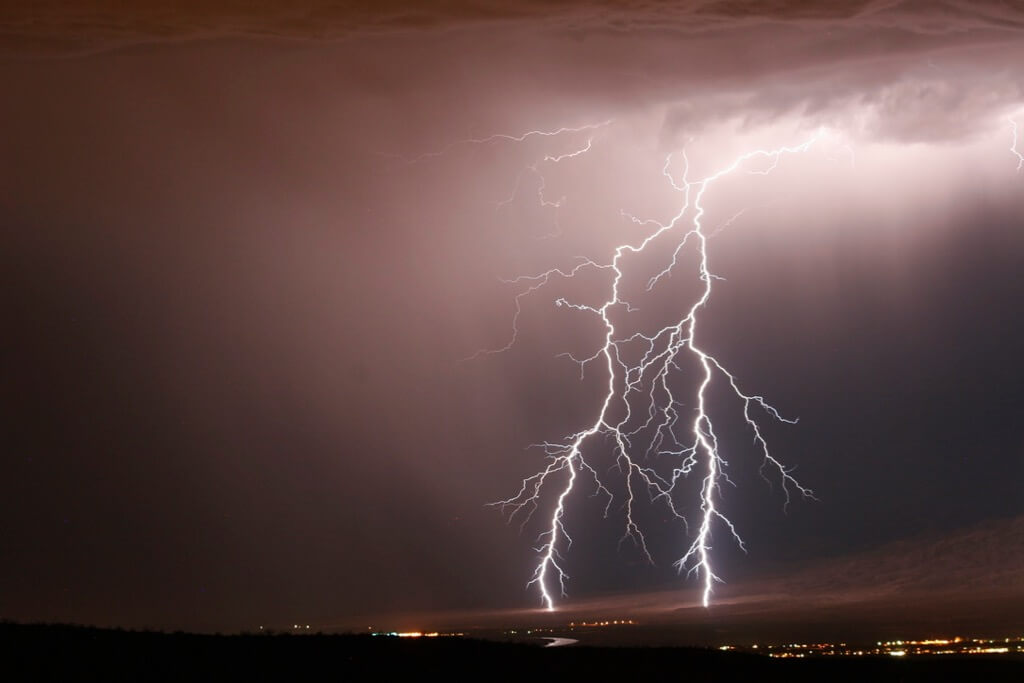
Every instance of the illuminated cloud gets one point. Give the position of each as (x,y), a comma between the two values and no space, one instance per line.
(914,71)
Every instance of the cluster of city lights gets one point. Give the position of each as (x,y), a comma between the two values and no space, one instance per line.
(531,631)
(613,622)
(892,648)
(416,634)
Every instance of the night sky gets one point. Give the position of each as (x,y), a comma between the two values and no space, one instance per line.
(246,250)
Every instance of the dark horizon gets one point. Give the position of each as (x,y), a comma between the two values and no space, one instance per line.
(250,257)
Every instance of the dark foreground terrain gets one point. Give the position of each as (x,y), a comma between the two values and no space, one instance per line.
(71,653)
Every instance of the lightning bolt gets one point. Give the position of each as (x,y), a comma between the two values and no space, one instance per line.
(1013,144)
(534,169)
(649,379)
(503,137)
(639,404)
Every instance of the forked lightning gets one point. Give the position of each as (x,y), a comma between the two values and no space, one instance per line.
(640,412)
(647,379)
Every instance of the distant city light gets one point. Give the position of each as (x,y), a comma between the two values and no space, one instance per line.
(895,648)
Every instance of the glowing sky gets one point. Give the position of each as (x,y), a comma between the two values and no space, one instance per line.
(237,314)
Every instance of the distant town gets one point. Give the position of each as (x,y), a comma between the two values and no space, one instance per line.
(957,645)
(893,648)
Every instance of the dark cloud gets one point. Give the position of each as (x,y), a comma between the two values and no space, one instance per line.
(914,71)
(64,26)
(982,559)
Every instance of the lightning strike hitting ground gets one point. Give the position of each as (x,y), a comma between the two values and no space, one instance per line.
(661,349)
(640,410)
